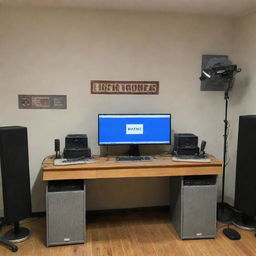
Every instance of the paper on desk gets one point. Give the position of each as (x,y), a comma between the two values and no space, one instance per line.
(203,160)
(64,161)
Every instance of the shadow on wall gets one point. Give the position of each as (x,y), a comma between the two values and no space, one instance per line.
(241,86)
(38,193)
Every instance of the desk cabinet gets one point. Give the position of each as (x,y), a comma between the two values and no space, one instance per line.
(65,207)
(193,206)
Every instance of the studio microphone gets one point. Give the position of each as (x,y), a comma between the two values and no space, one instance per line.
(202,152)
(57,148)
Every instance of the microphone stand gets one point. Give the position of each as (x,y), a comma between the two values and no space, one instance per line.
(224,213)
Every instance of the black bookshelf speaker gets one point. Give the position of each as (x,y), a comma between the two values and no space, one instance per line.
(245,192)
(15,175)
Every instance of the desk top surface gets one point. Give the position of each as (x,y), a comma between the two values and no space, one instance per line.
(107,167)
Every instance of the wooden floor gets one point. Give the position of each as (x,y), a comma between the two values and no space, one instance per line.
(133,233)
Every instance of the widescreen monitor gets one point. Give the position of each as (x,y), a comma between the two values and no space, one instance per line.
(134,129)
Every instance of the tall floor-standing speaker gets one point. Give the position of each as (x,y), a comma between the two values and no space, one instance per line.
(15,179)
(245,192)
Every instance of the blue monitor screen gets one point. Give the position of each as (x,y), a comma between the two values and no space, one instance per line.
(134,129)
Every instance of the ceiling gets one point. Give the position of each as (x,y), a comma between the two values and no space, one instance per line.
(213,7)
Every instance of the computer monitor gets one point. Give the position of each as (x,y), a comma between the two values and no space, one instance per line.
(134,130)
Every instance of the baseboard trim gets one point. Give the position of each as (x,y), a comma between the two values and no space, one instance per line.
(38,214)
(112,211)
(127,210)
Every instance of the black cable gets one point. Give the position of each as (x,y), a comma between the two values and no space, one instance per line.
(227,144)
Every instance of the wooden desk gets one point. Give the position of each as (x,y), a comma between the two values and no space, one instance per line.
(107,167)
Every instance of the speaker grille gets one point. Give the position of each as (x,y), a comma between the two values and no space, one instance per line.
(15,173)
(245,194)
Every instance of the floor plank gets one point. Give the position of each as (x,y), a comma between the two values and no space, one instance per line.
(133,233)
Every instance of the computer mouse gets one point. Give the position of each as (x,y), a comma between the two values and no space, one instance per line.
(231,233)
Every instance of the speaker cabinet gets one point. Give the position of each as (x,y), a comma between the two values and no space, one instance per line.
(193,206)
(73,141)
(245,192)
(65,208)
(15,173)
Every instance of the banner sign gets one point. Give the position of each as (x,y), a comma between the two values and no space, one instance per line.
(124,87)
(42,101)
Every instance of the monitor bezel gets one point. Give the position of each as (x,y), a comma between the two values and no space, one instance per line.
(136,143)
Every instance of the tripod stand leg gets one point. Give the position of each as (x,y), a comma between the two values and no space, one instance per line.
(10,245)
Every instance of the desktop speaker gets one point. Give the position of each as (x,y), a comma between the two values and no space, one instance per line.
(76,141)
(185,140)
(15,175)
(77,153)
(245,192)
(185,144)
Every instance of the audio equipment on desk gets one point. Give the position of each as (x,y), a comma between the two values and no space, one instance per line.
(77,153)
(76,141)
(202,148)
(76,146)
(57,148)
(186,149)
(185,144)
(15,180)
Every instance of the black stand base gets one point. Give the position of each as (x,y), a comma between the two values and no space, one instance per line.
(16,236)
(231,233)
(245,222)
(224,213)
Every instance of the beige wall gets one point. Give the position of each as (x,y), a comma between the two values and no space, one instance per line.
(243,95)
(57,51)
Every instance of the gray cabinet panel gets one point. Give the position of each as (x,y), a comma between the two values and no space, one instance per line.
(199,211)
(65,217)
(193,207)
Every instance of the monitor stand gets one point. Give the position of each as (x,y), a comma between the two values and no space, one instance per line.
(134,150)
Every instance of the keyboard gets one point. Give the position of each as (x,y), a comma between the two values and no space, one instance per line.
(134,158)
